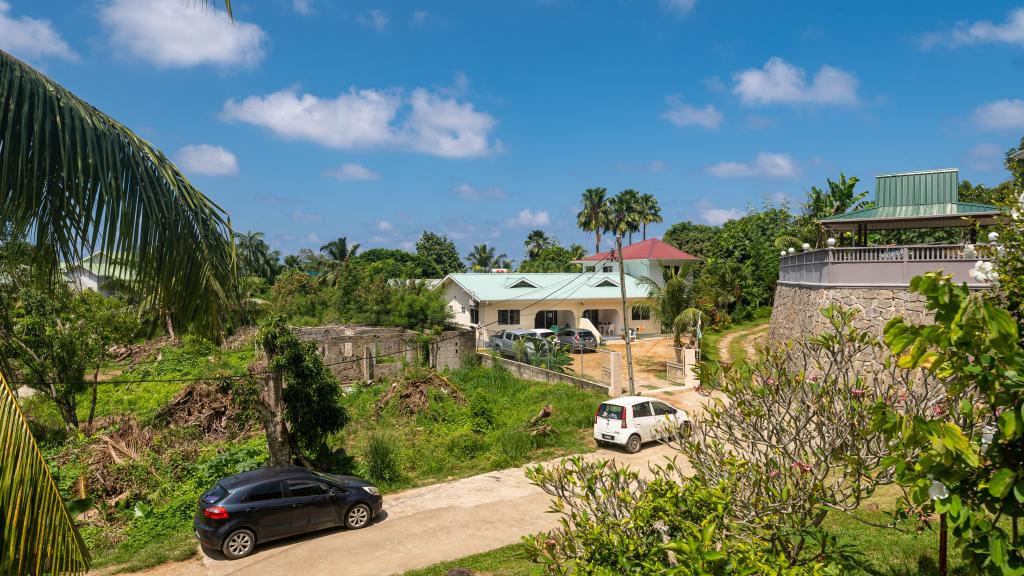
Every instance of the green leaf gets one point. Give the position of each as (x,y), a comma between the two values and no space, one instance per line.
(1018,491)
(1001,482)
(1008,424)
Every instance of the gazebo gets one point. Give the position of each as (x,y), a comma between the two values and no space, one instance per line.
(906,201)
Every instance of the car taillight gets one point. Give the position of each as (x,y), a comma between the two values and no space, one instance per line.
(216,512)
(596,414)
(576,338)
(624,417)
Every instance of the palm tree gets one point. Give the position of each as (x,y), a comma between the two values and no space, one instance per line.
(650,211)
(339,250)
(255,258)
(841,198)
(594,215)
(483,259)
(624,214)
(537,242)
(77,181)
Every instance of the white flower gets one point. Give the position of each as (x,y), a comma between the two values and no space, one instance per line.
(984,272)
(970,252)
(938,491)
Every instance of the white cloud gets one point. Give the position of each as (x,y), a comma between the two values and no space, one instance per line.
(682,114)
(469,192)
(31,38)
(207,160)
(369,118)
(764,165)
(717,216)
(780,81)
(384,226)
(300,216)
(983,31)
(679,6)
(419,17)
(313,238)
(985,157)
(376,19)
(1000,115)
(528,219)
(304,7)
(352,171)
(176,34)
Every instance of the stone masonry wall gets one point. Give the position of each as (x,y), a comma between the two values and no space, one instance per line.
(797,312)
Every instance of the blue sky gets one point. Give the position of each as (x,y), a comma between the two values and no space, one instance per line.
(313,119)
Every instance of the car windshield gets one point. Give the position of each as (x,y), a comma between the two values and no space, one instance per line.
(332,478)
(610,411)
(544,334)
(213,495)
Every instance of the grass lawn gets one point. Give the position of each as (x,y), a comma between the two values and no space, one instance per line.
(507,561)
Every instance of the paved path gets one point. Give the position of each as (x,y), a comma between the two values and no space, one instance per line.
(424,526)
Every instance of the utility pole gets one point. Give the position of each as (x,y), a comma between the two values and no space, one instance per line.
(625,315)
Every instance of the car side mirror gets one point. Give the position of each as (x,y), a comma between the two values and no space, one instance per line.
(333,492)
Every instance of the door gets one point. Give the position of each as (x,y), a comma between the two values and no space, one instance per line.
(312,505)
(269,511)
(545,319)
(643,420)
(665,418)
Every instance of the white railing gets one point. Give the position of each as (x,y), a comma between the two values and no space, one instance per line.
(880,265)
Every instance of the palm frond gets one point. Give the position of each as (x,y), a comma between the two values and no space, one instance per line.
(39,536)
(74,180)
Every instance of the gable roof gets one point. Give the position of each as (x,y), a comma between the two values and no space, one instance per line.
(650,249)
(104,266)
(485,287)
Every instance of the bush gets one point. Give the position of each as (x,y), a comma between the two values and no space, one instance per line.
(381,458)
(466,445)
(481,415)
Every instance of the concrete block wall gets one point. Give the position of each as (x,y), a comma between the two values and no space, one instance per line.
(536,373)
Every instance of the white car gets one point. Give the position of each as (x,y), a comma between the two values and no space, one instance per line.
(630,421)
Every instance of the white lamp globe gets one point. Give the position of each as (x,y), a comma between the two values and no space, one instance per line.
(783,253)
(831,242)
(806,246)
(993,236)
(791,250)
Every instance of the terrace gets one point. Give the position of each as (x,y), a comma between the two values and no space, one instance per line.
(916,200)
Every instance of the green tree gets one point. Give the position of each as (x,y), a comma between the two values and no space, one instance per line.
(695,239)
(439,253)
(554,259)
(650,212)
(536,242)
(339,250)
(625,213)
(594,215)
(255,258)
(840,198)
(483,258)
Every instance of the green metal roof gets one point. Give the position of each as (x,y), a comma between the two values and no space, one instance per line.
(486,287)
(915,211)
(929,195)
(109,267)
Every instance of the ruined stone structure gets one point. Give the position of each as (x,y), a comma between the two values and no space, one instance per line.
(367,353)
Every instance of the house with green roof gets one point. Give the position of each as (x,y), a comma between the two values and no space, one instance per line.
(96,271)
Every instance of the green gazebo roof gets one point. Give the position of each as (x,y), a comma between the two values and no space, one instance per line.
(929,199)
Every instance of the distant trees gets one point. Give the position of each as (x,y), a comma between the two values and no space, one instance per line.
(840,198)
(339,250)
(484,259)
(536,242)
(649,212)
(555,258)
(255,258)
(593,217)
(439,253)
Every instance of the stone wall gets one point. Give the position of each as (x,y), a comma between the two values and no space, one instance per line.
(797,314)
(530,372)
(367,353)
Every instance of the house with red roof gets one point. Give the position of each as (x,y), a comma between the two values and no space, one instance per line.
(648,259)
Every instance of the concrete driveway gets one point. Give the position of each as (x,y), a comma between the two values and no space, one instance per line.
(424,526)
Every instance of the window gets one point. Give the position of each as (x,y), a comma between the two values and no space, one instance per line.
(508,317)
(588,268)
(661,409)
(606,268)
(215,494)
(641,312)
(306,488)
(610,411)
(474,315)
(267,491)
(642,410)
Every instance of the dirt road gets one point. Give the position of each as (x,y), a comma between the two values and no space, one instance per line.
(751,338)
(424,526)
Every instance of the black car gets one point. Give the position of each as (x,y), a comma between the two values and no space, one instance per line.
(269,503)
(578,339)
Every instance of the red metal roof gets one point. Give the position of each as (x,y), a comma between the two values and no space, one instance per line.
(652,249)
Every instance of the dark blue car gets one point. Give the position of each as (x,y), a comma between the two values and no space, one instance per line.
(255,507)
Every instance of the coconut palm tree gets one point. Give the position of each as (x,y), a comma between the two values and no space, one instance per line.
(841,198)
(339,250)
(255,258)
(594,215)
(536,242)
(483,258)
(650,212)
(624,215)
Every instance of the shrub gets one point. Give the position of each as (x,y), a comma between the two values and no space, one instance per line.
(481,415)
(466,445)
(381,458)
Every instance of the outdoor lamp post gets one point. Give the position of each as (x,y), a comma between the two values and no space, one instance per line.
(993,237)
(791,250)
(806,246)
(831,242)
(783,253)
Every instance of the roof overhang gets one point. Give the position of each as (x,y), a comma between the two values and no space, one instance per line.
(912,222)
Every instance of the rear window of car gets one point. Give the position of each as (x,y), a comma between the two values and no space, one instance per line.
(266,491)
(213,495)
(610,411)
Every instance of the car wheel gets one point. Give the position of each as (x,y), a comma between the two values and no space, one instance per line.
(358,517)
(685,429)
(633,444)
(600,443)
(239,544)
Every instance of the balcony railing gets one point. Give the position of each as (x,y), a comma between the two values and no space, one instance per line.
(880,266)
